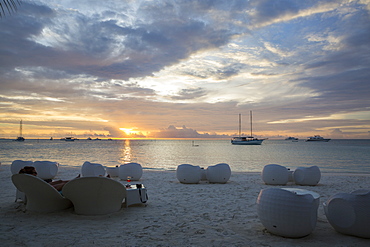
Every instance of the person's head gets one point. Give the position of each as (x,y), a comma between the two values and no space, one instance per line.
(28,170)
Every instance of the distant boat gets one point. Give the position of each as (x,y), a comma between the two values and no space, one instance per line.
(69,139)
(291,138)
(317,138)
(194,145)
(51,138)
(20,138)
(89,139)
(246,140)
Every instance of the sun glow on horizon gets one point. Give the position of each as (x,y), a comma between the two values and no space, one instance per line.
(129,131)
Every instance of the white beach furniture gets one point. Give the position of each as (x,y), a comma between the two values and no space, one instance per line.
(188,174)
(349,213)
(219,173)
(288,212)
(307,175)
(17,165)
(135,194)
(92,169)
(274,174)
(95,195)
(46,169)
(41,196)
(132,170)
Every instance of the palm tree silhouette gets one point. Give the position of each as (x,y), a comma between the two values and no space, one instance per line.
(8,6)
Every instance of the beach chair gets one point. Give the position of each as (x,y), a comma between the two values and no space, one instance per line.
(41,196)
(46,169)
(134,171)
(349,213)
(95,195)
(17,165)
(288,212)
(188,174)
(274,174)
(92,169)
(219,173)
(307,175)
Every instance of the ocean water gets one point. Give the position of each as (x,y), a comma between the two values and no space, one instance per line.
(337,156)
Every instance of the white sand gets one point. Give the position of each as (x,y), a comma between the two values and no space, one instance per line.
(175,215)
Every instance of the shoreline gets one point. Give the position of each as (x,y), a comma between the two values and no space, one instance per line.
(176,214)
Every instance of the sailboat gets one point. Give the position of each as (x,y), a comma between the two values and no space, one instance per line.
(245,140)
(20,138)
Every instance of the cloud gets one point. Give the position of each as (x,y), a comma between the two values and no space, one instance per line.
(80,65)
(173,132)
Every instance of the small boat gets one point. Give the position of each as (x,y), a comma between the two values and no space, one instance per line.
(291,138)
(89,139)
(20,138)
(246,140)
(69,139)
(317,138)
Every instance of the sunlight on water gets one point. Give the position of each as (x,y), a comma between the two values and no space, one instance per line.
(333,156)
(126,152)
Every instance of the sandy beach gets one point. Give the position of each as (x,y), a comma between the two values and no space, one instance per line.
(175,215)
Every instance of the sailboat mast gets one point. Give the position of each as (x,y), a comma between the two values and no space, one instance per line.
(250,113)
(20,129)
(240,124)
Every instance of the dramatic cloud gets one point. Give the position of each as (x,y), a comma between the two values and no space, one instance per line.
(91,68)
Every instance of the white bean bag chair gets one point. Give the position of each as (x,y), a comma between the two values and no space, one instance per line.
(46,169)
(288,212)
(219,173)
(132,170)
(275,174)
(95,195)
(188,174)
(92,169)
(349,213)
(112,171)
(307,175)
(17,165)
(41,196)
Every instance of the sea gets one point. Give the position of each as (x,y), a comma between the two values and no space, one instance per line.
(335,156)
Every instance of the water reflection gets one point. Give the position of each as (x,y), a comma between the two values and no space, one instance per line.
(126,153)
(333,156)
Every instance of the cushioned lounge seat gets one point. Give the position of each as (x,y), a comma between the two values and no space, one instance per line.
(274,174)
(349,213)
(288,212)
(41,196)
(219,173)
(132,170)
(307,175)
(92,169)
(17,165)
(188,174)
(95,195)
(46,169)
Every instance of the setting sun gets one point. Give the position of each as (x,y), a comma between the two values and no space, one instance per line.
(128,131)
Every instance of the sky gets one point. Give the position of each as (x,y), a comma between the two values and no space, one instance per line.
(185,69)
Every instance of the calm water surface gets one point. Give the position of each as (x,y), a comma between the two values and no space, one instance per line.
(351,156)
